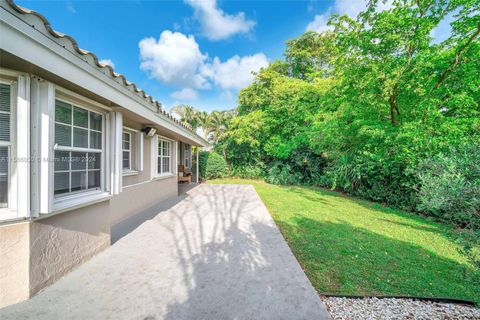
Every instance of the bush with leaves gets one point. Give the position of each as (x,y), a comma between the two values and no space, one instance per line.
(449,187)
(211,165)
(280,173)
(248,171)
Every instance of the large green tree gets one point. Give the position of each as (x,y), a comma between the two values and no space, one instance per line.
(358,107)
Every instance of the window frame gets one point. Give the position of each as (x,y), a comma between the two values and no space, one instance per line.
(159,156)
(10,210)
(61,200)
(129,150)
(187,155)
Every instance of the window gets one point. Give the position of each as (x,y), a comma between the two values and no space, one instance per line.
(127,151)
(163,156)
(5,140)
(78,149)
(186,155)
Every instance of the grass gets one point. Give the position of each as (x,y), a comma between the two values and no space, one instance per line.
(350,246)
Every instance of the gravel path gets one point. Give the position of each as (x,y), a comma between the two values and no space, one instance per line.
(390,308)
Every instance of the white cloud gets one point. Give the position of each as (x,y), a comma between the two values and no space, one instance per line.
(236,72)
(107,62)
(319,23)
(344,7)
(185,94)
(215,23)
(174,59)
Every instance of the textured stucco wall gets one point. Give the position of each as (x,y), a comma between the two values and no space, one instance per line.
(60,243)
(138,197)
(14,257)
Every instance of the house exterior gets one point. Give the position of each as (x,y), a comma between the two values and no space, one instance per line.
(77,153)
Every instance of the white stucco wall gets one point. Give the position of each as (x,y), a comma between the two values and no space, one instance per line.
(60,243)
(138,197)
(14,263)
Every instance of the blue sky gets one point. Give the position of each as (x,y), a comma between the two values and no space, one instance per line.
(189,51)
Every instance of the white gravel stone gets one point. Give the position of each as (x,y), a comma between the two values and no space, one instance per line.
(392,308)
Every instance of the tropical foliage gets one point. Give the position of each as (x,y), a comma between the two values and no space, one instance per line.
(373,107)
(211,165)
(213,124)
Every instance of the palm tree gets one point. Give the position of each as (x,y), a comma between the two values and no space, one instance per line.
(213,124)
(203,119)
(187,114)
(217,126)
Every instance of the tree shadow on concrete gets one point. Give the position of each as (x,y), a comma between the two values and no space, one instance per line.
(124,227)
(236,264)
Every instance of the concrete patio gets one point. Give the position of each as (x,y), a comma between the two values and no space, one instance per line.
(217,254)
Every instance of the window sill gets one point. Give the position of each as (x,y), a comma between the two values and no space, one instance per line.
(78,201)
(8,215)
(164,176)
(127,173)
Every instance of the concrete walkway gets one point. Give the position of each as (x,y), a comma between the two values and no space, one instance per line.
(215,255)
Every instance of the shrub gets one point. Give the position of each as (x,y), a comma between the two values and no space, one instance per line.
(280,173)
(369,176)
(449,186)
(248,171)
(211,165)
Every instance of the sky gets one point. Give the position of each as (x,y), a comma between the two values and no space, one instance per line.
(197,52)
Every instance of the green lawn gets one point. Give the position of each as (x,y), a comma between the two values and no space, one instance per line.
(351,246)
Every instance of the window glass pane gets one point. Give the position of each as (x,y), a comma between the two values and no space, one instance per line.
(79,180)
(61,182)
(80,138)
(159,165)
(95,121)
(4,127)
(63,112)
(4,97)
(83,168)
(3,177)
(80,117)
(94,160)
(166,148)
(166,165)
(79,161)
(61,161)
(126,141)
(3,191)
(63,135)
(95,140)
(126,160)
(94,179)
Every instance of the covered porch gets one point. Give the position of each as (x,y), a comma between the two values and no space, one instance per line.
(187,164)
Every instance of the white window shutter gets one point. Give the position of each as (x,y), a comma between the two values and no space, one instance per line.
(23,146)
(42,141)
(153,156)
(139,156)
(116,129)
(175,157)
